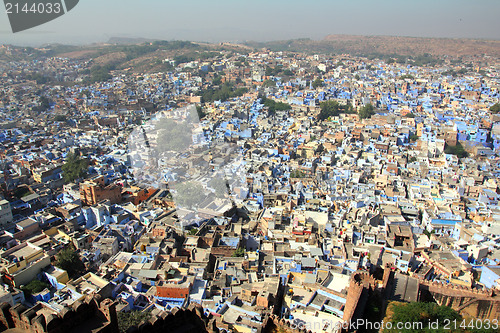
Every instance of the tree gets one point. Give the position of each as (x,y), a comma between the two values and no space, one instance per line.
(366,111)
(223,93)
(74,168)
(44,103)
(219,185)
(495,108)
(268,83)
(22,191)
(275,71)
(130,319)
(100,73)
(39,78)
(422,314)
(333,108)
(189,194)
(183,58)
(348,108)
(239,252)
(407,76)
(297,174)
(174,135)
(275,106)
(413,137)
(317,83)
(69,260)
(329,109)
(60,118)
(35,286)
(217,80)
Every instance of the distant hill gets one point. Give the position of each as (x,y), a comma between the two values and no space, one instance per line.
(386,45)
(129,40)
(144,55)
(135,54)
(414,46)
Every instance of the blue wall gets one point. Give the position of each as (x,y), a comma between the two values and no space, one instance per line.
(488,277)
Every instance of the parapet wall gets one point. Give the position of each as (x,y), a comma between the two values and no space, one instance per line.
(100,318)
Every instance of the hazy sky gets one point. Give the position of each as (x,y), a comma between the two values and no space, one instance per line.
(261,20)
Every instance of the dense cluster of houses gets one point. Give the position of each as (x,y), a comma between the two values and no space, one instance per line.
(414,186)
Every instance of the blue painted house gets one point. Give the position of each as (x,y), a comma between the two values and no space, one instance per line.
(490,276)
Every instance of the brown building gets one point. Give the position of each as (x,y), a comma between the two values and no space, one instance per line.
(136,195)
(392,168)
(110,121)
(451,138)
(94,190)
(173,290)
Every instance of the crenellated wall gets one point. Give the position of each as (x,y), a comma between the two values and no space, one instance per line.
(99,317)
(39,319)
(190,320)
(480,304)
(274,324)
(469,302)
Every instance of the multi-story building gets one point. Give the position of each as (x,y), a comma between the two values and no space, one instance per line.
(5,212)
(95,190)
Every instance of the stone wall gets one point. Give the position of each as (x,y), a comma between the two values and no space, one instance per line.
(41,319)
(469,302)
(190,320)
(99,317)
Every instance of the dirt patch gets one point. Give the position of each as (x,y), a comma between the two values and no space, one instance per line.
(77,54)
(110,58)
